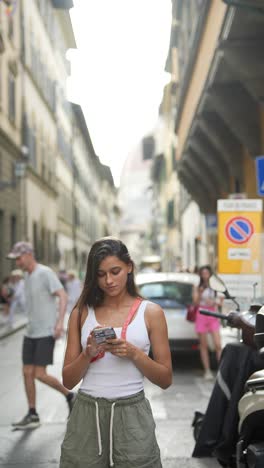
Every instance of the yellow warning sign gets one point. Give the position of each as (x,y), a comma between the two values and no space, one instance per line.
(239,236)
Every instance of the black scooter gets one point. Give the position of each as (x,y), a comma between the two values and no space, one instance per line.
(246,322)
(250,446)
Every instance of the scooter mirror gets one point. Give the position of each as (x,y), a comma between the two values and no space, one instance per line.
(259,332)
(217,284)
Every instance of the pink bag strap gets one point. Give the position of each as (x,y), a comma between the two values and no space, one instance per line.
(129,318)
(131,314)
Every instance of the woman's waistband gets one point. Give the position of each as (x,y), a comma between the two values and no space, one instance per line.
(122,401)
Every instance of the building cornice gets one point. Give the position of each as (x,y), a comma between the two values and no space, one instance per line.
(78,112)
(66,25)
(62,4)
(182,90)
(103,170)
(9,144)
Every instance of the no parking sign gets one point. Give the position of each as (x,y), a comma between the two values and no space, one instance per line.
(239,236)
(239,230)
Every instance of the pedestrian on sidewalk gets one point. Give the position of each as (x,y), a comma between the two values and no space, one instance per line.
(205,298)
(17,300)
(111,422)
(5,296)
(73,288)
(45,325)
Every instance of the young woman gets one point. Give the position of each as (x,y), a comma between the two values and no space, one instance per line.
(111,423)
(205,297)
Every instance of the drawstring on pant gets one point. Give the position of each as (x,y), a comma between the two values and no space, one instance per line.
(99,431)
(111,434)
(98,428)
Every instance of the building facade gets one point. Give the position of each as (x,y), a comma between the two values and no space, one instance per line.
(219,119)
(55,202)
(43,75)
(11,205)
(166,187)
(218,47)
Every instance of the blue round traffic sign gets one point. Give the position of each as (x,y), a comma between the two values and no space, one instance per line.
(239,230)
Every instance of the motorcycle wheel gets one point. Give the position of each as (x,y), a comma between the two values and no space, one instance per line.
(197,424)
(197,428)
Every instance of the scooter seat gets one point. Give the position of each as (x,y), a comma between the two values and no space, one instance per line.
(255,381)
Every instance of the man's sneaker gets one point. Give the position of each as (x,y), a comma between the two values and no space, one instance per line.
(30,421)
(71,402)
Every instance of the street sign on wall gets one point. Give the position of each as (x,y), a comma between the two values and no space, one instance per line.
(260,175)
(239,236)
(239,230)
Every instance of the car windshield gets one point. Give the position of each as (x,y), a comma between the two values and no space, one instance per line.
(172,292)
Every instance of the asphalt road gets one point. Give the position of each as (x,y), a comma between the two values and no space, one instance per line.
(173,411)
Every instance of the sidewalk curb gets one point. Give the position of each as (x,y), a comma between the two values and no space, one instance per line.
(11,331)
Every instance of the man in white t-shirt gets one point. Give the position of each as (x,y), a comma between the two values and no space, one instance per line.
(45,324)
(73,288)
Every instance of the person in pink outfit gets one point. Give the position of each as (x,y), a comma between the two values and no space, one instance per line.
(205,298)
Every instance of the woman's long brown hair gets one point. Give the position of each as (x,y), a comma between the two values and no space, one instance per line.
(204,267)
(91,294)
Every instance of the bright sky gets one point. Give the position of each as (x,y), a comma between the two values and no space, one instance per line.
(118,71)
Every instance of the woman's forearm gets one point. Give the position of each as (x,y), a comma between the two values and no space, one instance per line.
(157,373)
(72,373)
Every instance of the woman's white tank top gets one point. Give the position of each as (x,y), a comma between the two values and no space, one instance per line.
(113,377)
(207,293)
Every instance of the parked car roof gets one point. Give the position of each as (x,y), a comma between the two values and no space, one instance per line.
(190,278)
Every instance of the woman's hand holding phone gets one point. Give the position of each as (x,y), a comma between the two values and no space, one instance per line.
(92,348)
(121,348)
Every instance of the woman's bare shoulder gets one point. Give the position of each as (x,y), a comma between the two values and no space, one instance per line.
(154,317)
(78,315)
(153,310)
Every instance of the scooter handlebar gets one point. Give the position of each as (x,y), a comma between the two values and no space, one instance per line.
(213,314)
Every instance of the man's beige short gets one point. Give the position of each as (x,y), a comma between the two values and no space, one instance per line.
(102,433)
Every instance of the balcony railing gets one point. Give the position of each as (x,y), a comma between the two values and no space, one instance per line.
(253,5)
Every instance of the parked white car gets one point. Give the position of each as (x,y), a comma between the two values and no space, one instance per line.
(173,292)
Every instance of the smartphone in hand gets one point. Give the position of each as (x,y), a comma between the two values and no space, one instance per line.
(103,334)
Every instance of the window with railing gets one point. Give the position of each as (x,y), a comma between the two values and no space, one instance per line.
(11,96)
(185,198)
(10,28)
(22,38)
(170,213)
(41,75)
(29,140)
(13,230)
(64,146)
(2,234)
(33,147)
(173,158)
(35,239)
(1,82)
(77,218)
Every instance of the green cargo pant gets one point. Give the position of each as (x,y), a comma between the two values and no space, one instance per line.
(102,433)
